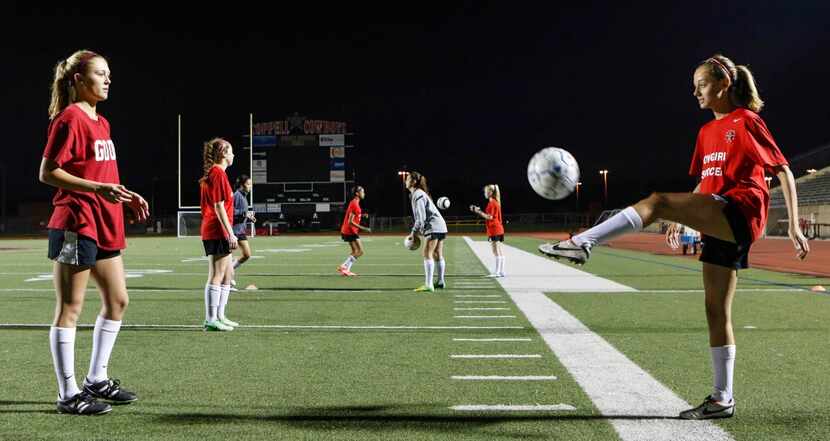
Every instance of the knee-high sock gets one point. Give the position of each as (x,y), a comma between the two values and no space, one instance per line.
(224,295)
(429,267)
(103,340)
(62,346)
(723,368)
(212,293)
(442,269)
(349,262)
(626,221)
(500,265)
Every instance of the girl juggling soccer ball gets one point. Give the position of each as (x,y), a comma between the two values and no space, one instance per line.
(86,230)
(728,206)
(494,225)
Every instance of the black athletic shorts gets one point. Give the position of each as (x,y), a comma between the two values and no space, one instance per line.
(217,247)
(74,249)
(436,236)
(349,237)
(242,236)
(728,254)
(499,238)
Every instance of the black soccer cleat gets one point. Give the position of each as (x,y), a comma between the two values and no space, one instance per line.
(83,404)
(710,409)
(110,390)
(439,285)
(567,250)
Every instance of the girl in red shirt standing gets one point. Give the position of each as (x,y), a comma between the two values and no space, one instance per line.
(350,229)
(728,206)
(493,224)
(218,239)
(86,230)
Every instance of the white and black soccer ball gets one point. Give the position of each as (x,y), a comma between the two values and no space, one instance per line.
(553,173)
(412,243)
(443,202)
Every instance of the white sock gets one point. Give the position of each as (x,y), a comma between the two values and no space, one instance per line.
(500,265)
(237,263)
(429,267)
(496,266)
(626,221)
(62,345)
(224,294)
(349,262)
(103,339)
(442,268)
(723,368)
(212,293)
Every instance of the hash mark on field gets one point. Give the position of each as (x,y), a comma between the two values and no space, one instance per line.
(492,339)
(497,356)
(484,316)
(481,309)
(512,407)
(504,377)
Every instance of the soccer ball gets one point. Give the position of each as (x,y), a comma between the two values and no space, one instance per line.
(443,202)
(553,173)
(412,243)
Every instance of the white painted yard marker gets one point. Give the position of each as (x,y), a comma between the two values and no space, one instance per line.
(504,378)
(492,339)
(494,356)
(481,309)
(513,408)
(484,316)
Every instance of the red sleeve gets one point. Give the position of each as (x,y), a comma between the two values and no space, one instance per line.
(356,210)
(695,166)
(761,147)
(60,145)
(491,209)
(216,188)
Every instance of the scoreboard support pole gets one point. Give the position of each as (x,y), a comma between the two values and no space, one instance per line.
(251,155)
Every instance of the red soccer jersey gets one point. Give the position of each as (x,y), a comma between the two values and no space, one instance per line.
(82,147)
(494,225)
(354,208)
(212,190)
(730,158)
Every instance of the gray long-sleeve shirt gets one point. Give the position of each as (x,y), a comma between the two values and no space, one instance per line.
(240,208)
(427,217)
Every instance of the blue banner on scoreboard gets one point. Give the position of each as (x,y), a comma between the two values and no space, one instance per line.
(338,164)
(265,140)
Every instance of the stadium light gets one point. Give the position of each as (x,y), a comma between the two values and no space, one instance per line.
(578,184)
(811,171)
(604,174)
(768,179)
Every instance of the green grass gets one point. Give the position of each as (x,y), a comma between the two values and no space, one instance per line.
(381,384)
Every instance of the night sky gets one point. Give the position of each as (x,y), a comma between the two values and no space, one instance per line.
(465,93)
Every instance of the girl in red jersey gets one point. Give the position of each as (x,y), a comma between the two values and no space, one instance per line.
(218,239)
(493,224)
(86,230)
(350,229)
(728,206)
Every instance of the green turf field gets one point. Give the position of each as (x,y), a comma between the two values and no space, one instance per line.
(329,358)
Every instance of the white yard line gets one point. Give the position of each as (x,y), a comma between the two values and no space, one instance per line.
(480,301)
(615,384)
(477,295)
